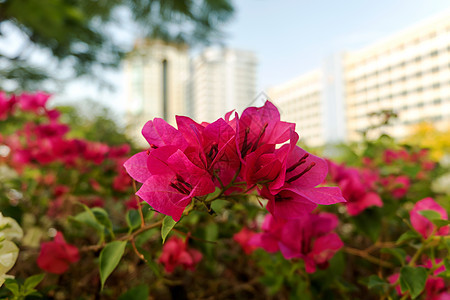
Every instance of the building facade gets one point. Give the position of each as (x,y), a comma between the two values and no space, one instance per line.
(407,73)
(222,80)
(300,101)
(156,75)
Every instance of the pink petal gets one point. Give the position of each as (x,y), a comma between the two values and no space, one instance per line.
(311,178)
(368,200)
(322,195)
(159,133)
(136,166)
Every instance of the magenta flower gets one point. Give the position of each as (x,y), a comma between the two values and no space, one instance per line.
(33,102)
(435,287)
(243,238)
(159,133)
(171,180)
(397,185)
(358,187)
(56,256)
(266,166)
(259,126)
(194,159)
(309,238)
(298,195)
(211,147)
(176,253)
(6,105)
(422,224)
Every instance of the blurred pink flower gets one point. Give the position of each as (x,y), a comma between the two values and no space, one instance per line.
(56,256)
(175,252)
(243,237)
(422,224)
(358,187)
(309,238)
(35,102)
(435,287)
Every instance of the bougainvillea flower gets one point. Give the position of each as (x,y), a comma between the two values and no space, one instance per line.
(6,105)
(175,252)
(398,186)
(96,152)
(136,166)
(51,130)
(298,195)
(357,186)
(435,287)
(56,256)
(33,102)
(258,126)
(309,238)
(422,224)
(211,147)
(159,133)
(171,188)
(287,204)
(267,166)
(243,238)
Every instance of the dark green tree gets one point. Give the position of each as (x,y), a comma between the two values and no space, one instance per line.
(78,35)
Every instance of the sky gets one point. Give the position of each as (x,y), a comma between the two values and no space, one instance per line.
(292,37)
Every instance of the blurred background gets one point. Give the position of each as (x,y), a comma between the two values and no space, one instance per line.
(335,70)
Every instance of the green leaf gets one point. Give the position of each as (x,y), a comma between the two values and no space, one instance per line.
(140,292)
(33,281)
(13,286)
(412,171)
(430,214)
(398,253)
(413,280)
(167,225)
(214,194)
(89,219)
(102,217)
(375,281)
(110,258)
(441,223)
(434,217)
(409,235)
(133,219)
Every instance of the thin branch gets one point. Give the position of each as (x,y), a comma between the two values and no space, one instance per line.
(367,256)
(138,200)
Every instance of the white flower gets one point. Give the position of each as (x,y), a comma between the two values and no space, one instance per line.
(9,229)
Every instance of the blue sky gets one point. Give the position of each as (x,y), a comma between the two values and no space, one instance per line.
(292,37)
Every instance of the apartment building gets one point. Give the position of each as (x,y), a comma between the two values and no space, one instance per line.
(408,73)
(157,76)
(222,80)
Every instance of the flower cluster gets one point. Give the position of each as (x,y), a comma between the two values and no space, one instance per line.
(309,238)
(56,256)
(255,151)
(176,252)
(435,287)
(41,141)
(358,187)
(423,225)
